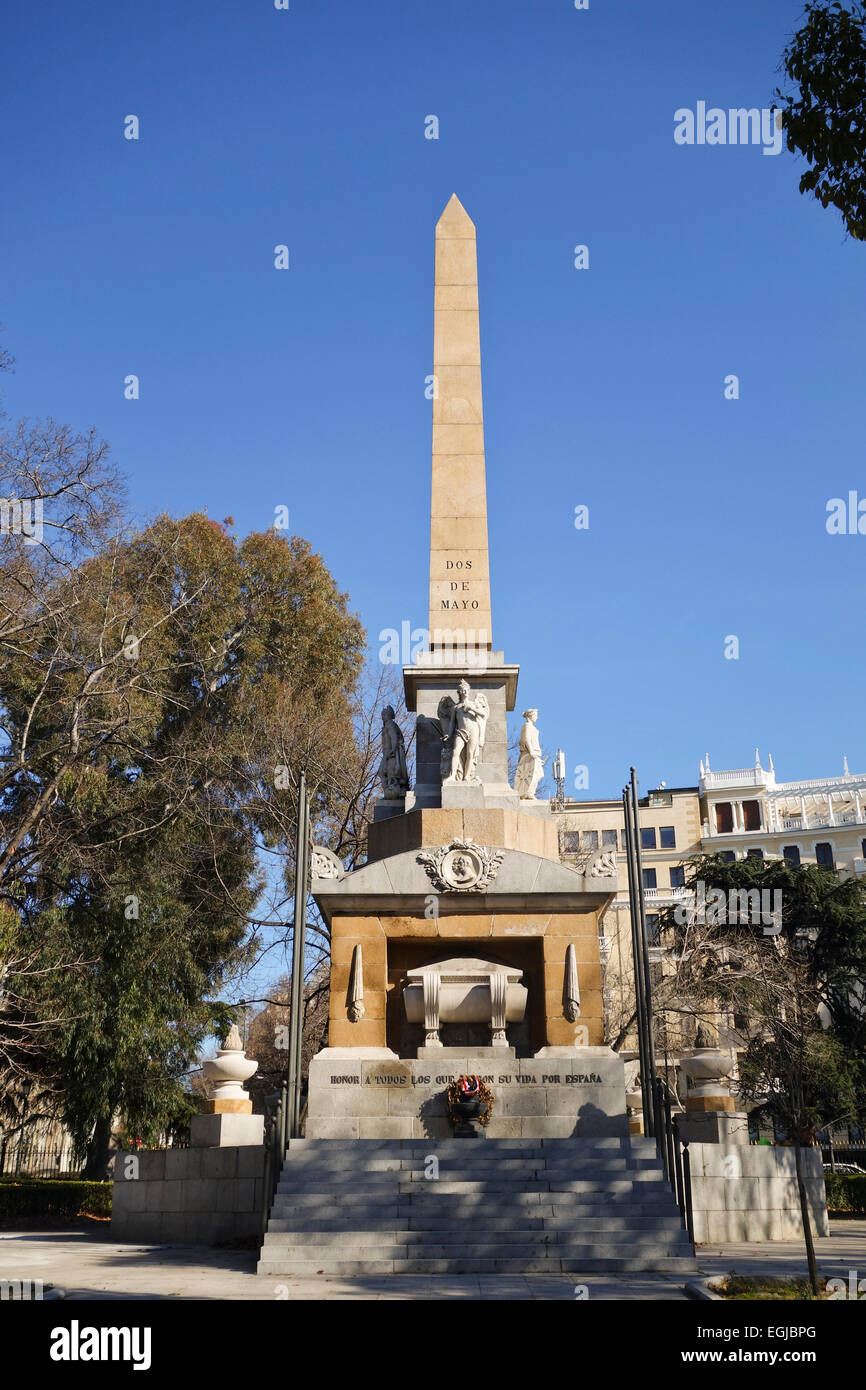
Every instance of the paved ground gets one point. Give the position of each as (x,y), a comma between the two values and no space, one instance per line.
(88,1265)
(843,1250)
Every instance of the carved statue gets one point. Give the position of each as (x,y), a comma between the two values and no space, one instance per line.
(530,768)
(463,723)
(392,769)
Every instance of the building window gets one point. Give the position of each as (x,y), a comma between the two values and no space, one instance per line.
(571,841)
(652,928)
(792,854)
(751,815)
(741,1023)
(667,837)
(824,855)
(678,876)
(724,817)
(727,856)
(754,854)
(590,839)
(863,848)
(608,837)
(648,837)
(649,878)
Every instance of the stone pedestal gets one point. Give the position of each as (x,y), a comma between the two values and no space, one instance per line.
(226,1131)
(578,1092)
(714,1127)
(425,684)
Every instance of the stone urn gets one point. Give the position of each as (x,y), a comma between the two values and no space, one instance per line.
(225,1075)
(707,1069)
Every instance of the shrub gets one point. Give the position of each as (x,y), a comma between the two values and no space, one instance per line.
(846,1192)
(50,1200)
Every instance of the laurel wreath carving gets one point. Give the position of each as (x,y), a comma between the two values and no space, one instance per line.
(440,866)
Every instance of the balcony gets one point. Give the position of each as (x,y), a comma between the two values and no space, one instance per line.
(737,777)
(657,897)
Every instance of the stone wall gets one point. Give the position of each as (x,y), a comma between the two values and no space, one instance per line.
(749,1192)
(188,1196)
(351,1097)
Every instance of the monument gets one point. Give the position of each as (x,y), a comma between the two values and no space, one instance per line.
(480,948)
(466,992)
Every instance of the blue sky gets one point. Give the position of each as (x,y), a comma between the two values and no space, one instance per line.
(602,387)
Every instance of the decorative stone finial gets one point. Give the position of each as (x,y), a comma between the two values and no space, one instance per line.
(356,987)
(571,988)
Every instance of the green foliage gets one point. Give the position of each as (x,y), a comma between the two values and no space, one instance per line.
(156,680)
(52,1200)
(797,980)
(766,1288)
(826,120)
(846,1192)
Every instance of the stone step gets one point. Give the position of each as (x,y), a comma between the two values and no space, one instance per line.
(418,1226)
(476,1250)
(561,1239)
(391,1170)
(587,1145)
(527,1203)
(583,1265)
(450,1182)
(367,1207)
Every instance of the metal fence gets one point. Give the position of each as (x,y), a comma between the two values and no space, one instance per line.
(276,1138)
(35,1160)
(674,1154)
(845,1147)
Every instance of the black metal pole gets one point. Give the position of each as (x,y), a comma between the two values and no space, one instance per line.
(296,1006)
(648,990)
(645,1081)
(666,1102)
(678,1163)
(687,1185)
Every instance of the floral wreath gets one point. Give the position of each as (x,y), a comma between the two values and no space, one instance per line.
(469,1088)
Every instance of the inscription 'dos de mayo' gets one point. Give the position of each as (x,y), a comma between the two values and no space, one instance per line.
(590,1078)
(460,590)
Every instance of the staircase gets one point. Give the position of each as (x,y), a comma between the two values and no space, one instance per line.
(499,1206)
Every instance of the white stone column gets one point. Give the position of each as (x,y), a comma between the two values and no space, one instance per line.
(498,996)
(829,798)
(430,982)
(804,818)
(858,808)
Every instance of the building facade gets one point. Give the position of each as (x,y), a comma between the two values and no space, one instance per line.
(736,813)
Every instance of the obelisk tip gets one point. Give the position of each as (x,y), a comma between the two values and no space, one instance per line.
(455,220)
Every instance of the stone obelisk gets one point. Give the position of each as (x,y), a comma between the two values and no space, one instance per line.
(459,563)
(460,642)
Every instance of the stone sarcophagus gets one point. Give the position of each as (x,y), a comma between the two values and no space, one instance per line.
(464,991)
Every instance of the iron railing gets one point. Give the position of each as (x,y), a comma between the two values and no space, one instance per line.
(276,1140)
(38,1160)
(674,1154)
